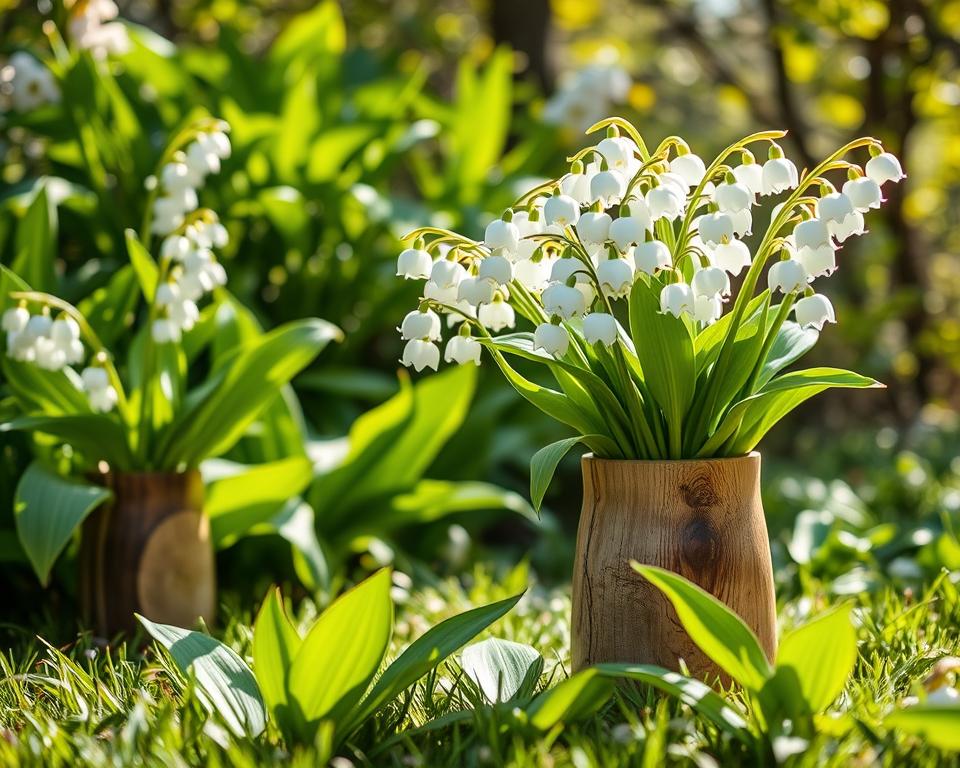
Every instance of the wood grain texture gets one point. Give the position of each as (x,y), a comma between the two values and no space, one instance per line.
(702,519)
(149,552)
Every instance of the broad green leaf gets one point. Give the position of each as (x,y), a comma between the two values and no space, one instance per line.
(938,725)
(791,343)
(48,509)
(225,685)
(502,669)
(296,522)
(275,645)
(143,264)
(544,464)
(822,653)
(426,653)
(664,346)
(51,393)
(717,630)
(710,339)
(576,698)
(318,32)
(36,241)
(695,694)
(254,495)
(342,652)
(216,416)
(95,435)
(110,308)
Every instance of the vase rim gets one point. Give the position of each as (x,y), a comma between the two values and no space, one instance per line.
(753,455)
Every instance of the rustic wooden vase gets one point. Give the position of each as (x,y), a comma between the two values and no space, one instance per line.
(148,551)
(702,519)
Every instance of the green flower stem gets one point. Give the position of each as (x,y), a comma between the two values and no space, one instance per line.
(145,425)
(779,319)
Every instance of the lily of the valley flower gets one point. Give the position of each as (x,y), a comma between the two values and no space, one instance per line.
(676,299)
(497,269)
(421,354)
(594,227)
(462,350)
(552,339)
(496,315)
(814,311)
(421,325)
(600,327)
(732,256)
(732,197)
(864,193)
(751,176)
(502,235)
(779,175)
(564,301)
(664,202)
(562,210)
(842,220)
(615,277)
(690,167)
(100,393)
(28,83)
(883,168)
(787,276)
(414,264)
(476,291)
(651,256)
(608,187)
(715,228)
(711,282)
(629,230)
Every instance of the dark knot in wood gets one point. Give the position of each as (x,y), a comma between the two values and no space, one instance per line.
(698,493)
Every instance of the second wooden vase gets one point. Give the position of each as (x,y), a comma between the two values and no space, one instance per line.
(702,519)
(148,551)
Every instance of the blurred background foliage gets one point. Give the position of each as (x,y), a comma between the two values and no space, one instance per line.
(355,121)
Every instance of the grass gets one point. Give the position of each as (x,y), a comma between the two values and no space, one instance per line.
(86,703)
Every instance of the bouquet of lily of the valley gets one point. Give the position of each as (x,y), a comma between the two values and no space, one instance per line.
(187,386)
(622,268)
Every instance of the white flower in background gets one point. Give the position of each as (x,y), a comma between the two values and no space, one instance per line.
(864,193)
(779,175)
(15,319)
(496,269)
(742,222)
(576,184)
(676,299)
(91,28)
(421,354)
(65,335)
(594,227)
(732,198)
(588,94)
(814,311)
(27,83)
(175,248)
(420,325)
(552,339)
(561,209)
(651,256)
(689,167)
(534,274)
(496,315)
(664,202)
(100,393)
(562,300)
(751,176)
(883,168)
(615,277)
(732,256)
(715,228)
(710,281)
(475,291)
(462,350)
(842,219)
(600,328)
(707,309)
(608,187)
(502,235)
(165,331)
(787,276)
(414,264)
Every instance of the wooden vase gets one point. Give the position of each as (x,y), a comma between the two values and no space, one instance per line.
(148,551)
(702,519)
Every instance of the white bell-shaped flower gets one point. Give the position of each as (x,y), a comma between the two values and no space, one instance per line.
(167,293)
(414,264)
(175,177)
(751,176)
(565,268)
(21,347)
(447,295)
(476,291)
(48,355)
(38,326)
(732,256)
(577,185)
(690,167)
(184,314)
(665,203)
(629,230)
(779,174)
(608,187)
(102,400)
(651,256)
(814,311)
(638,208)
(502,235)
(742,222)
(553,339)
(447,274)
(715,228)
(94,377)
(421,354)
(676,182)
(834,207)
(175,248)
(527,227)
(534,274)
(65,335)
(201,158)
(564,301)
(619,152)
(562,210)
(496,316)
(731,198)
(462,350)
(676,299)
(165,331)
(818,261)
(883,168)
(15,319)
(594,227)
(787,276)
(615,277)
(853,224)
(600,328)
(707,309)
(420,325)
(497,269)
(864,193)
(811,234)
(710,281)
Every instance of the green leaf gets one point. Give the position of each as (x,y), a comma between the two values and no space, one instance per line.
(143,265)
(717,630)
(36,242)
(792,343)
(216,416)
(51,393)
(576,698)
(695,694)
(426,653)
(110,308)
(501,669)
(48,509)
(822,653)
(95,435)
(275,646)
(938,725)
(253,495)
(225,685)
(342,652)
(664,346)
(544,464)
